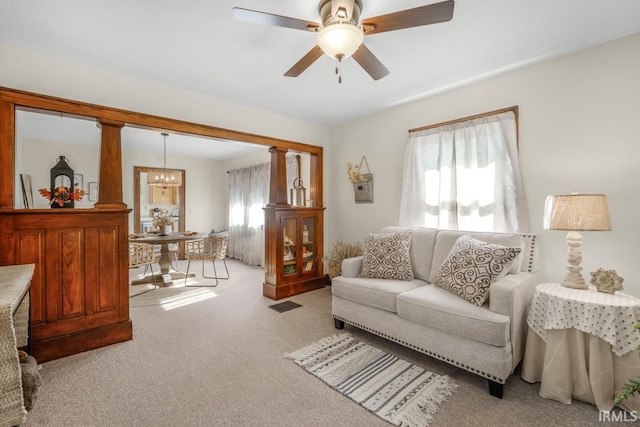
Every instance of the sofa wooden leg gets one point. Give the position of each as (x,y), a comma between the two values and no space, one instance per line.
(339,324)
(496,389)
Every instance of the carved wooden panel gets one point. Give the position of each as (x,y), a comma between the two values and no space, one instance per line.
(71,277)
(79,294)
(29,250)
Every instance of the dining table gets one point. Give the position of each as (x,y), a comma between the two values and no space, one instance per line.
(166,275)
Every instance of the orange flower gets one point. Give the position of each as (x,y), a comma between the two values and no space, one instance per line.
(61,195)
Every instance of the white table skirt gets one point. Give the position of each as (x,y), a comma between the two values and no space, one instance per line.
(576,364)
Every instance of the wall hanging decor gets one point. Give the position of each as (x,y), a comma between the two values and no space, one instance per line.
(362,182)
(62,193)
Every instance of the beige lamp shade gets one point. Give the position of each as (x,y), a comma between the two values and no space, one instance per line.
(577,212)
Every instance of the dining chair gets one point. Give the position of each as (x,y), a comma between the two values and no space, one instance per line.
(211,248)
(142,254)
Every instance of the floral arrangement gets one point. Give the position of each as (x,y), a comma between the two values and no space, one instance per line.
(340,251)
(162,217)
(62,195)
(353,172)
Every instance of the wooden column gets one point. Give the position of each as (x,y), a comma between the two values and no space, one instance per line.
(110,181)
(278,179)
(7,153)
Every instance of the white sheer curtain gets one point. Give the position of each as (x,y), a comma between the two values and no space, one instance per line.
(465,176)
(248,194)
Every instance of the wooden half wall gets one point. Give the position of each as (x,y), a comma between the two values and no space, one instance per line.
(80,289)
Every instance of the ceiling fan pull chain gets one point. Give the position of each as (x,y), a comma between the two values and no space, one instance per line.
(339,67)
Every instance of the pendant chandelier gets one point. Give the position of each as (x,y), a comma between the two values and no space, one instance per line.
(164,178)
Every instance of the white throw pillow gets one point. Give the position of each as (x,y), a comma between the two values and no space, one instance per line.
(472,266)
(386,256)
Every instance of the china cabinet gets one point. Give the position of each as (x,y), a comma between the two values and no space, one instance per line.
(294,250)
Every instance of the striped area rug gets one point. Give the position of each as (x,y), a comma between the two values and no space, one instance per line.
(393,389)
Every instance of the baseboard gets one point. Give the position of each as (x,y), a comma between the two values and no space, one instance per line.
(66,345)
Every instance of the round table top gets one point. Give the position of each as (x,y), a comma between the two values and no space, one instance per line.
(608,317)
(591,295)
(173,237)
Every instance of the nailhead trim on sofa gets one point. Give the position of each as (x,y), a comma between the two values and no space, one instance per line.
(422,350)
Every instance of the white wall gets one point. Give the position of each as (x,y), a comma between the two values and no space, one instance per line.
(578,132)
(43,74)
(38,157)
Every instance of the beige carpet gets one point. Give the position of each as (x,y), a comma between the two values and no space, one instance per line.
(219,362)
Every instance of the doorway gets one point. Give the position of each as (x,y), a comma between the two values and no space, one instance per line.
(148,198)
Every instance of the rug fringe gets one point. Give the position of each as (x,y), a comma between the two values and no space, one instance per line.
(312,348)
(425,408)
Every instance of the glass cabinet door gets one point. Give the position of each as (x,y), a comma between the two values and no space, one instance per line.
(309,250)
(290,236)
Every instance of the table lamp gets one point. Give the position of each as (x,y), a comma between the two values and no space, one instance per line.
(574,213)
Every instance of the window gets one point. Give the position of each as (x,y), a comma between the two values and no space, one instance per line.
(465,175)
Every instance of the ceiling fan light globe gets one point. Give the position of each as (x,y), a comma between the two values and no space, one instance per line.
(340,39)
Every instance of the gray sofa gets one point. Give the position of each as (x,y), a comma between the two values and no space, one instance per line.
(487,340)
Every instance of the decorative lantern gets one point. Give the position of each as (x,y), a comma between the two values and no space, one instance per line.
(298,194)
(62,176)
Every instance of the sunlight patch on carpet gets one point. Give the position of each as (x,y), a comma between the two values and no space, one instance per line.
(392,388)
(172,297)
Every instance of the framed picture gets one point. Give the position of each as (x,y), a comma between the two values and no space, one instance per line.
(364,191)
(77,181)
(93,191)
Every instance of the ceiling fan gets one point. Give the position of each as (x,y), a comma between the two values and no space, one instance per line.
(341,33)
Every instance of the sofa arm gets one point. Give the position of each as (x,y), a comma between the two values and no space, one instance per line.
(511,296)
(351,267)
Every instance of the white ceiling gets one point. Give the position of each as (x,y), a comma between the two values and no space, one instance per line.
(195,45)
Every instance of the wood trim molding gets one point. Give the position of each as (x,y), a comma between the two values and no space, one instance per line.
(7,151)
(114,115)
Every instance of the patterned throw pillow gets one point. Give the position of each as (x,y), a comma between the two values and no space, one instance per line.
(386,256)
(472,266)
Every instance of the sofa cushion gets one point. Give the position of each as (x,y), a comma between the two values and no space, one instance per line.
(423,241)
(437,308)
(472,266)
(386,256)
(447,238)
(378,293)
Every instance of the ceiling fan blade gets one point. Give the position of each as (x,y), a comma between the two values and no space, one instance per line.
(305,62)
(257,17)
(424,15)
(370,63)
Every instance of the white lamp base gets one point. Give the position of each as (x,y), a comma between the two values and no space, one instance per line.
(574,278)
